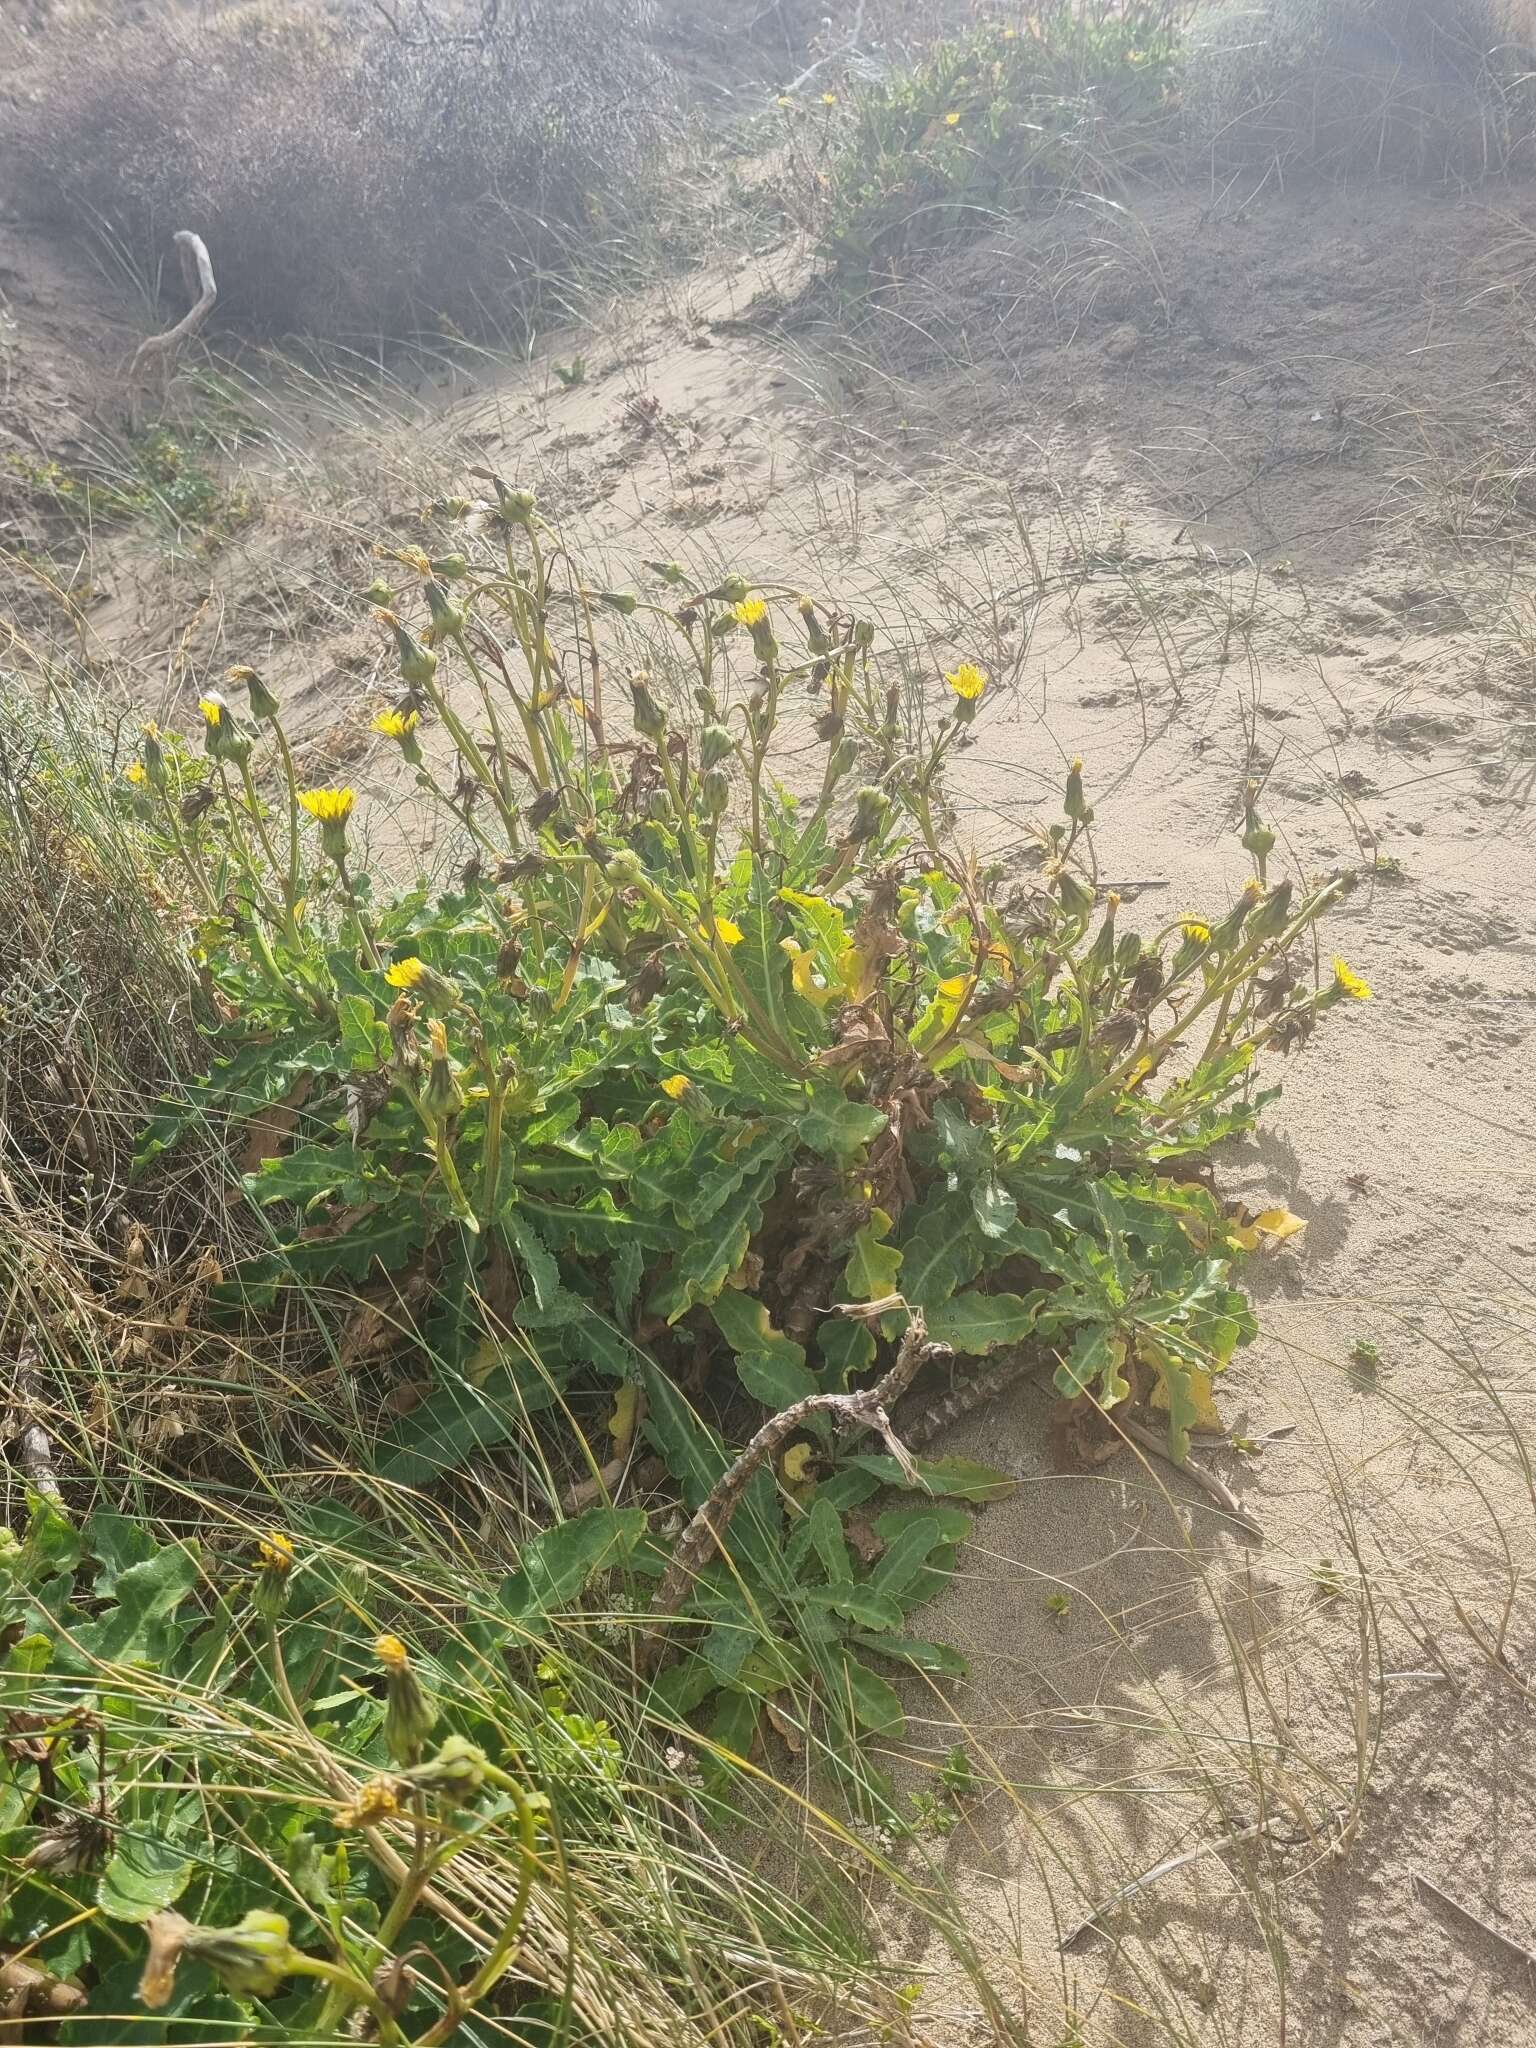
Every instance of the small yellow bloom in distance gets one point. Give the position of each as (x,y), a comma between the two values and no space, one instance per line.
(967,681)
(676,1085)
(727,933)
(396,725)
(275,1552)
(829,99)
(328,806)
(1345,977)
(135,773)
(951,120)
(391,1652)
(406,973)
(750,612)
(1198,934)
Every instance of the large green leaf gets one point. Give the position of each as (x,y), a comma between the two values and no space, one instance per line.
(558,1562)
(937,1658)
(906,1555)
(862,1604)
(456,1420)
(960,1478)
(978,1323)
(875,1704)
(837,1128)
(770,1365)
(873,1265)
(148,1594)
(148,1871)
(942,1248)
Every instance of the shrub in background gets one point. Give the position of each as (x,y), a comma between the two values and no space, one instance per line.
(348,181)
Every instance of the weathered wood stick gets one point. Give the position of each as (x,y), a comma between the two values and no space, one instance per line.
(868,1409)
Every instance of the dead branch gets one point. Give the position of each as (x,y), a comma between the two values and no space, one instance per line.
(197,273)
(1207,1481)
(34,1446)
(868,1409)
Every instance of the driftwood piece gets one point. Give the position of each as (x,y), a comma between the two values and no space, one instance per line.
(21,1427)
(868,1409)
(197,273)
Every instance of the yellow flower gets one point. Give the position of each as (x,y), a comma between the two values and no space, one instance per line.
(135,773)
(750,612)
(786,99)
(1198,934)
(676,1085)
(275,1552)
(328,806)
(373,1802)
(829,99)
(951,120)
(391,1652)
(1345,978)
(396,725)
(967,681)
(727,933)
(406,973)
(213,708)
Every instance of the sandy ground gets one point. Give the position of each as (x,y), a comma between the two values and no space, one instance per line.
(1270,460)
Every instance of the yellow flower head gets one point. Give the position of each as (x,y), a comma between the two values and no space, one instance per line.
(829,99)
(967,681)
(1345,978)
(951,120)
(275,1552)
(406,973)
(1198,934)
(396,725)
(727,933)
(391,1652)
(328,806)
(676,1085)
(213,707)
(373,1802)
(135,773)
(750,612)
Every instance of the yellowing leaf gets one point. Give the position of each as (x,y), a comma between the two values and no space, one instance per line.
(795,1464)
(1279,1224)
(1201,1411)
(626,1407)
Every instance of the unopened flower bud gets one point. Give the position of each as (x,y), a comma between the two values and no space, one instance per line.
(650,719)
(269,1586)
(871,807)
(153,756)
(715,746)
(621,601)
(418,664)
(1076,895)
(263,705)
(409,1715)
(1077,807)
(447,619)
(733,590)
(450,568)
(842,760)
(441,1097)
(380,594)
(455,1774)
(1269,920)
(250,1960)
(624,868)
(714,791)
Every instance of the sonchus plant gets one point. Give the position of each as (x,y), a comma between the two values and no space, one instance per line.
(685,1060)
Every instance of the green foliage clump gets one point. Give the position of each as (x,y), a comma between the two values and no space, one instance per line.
(699,1086)
(228,1796)
(1068,98)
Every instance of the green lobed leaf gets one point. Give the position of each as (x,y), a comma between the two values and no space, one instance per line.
(978,1323)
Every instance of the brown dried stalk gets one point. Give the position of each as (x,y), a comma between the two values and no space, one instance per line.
(867,1409)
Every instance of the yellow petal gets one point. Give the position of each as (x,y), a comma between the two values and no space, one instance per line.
(1279,1224)
(626,1406)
